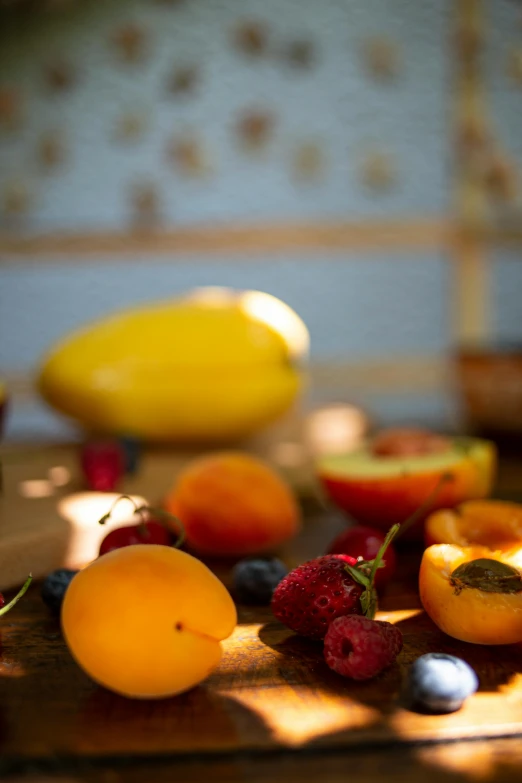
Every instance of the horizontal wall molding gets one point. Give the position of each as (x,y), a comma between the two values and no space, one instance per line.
(239,240)
(400,375)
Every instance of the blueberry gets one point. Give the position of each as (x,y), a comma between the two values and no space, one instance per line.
(439,683)
(131,448)
(255,580)
(54,587)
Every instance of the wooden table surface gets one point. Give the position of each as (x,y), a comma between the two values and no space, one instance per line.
(271,711)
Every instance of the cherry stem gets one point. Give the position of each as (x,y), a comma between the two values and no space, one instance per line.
(423,508)
(13,601)
(142,511)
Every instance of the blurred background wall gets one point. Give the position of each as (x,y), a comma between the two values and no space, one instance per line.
(356,158)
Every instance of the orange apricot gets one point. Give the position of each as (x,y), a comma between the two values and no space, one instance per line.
(483,609)
(495,524)
(146,621)
(231,503)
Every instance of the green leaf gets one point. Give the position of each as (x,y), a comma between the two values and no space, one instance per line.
(358,576)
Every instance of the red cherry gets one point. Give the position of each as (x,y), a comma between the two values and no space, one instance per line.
(364,541)
(2,600)
(103,464)
(150,532)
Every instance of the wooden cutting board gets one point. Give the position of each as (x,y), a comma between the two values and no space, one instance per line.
(272,691)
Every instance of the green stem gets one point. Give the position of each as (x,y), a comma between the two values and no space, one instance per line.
(17,597)
(155,512)
(390,535)
(423,508)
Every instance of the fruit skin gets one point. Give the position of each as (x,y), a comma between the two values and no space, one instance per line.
(389,490)
(103,465)
(364,541)
(146,621)
(54,588)
(314,594)
(255,580)
(150,532)
(438,683)
(495,524)
(360,648)
(211,366)
(471,615)
(231,503)
(2,600)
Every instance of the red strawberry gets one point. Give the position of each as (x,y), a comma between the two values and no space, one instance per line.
(311,596)
(315,593)
(360,648)
(364,541)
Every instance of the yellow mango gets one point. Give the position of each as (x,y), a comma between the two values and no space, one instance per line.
(214,365)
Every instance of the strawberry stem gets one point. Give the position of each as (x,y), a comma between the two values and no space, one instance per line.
(155,512)
(368,597)
(17,597)
(390,535)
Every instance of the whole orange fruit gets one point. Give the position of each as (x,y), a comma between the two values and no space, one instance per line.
(147,620)
(232,503)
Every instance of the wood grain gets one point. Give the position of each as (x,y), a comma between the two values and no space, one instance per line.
(271,709)
(248,241)
(272,691)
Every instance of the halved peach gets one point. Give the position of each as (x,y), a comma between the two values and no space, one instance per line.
(479,610)
(382,489)
(495,524)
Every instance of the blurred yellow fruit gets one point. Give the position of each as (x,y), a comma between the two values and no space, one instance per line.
(214,365)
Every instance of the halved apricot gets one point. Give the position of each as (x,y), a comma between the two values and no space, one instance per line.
(473,593)
(495,524)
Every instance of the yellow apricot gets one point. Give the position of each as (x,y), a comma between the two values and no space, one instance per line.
(146,621)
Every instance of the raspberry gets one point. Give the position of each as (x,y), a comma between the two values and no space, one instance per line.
(315,593)
(360,648)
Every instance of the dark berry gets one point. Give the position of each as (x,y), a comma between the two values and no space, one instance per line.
(131,448)
(439,683)
(357,647)
(54,587)
(255,580)
(2,600)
